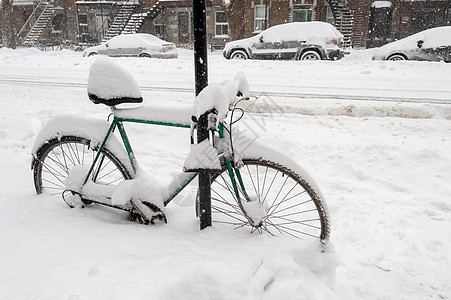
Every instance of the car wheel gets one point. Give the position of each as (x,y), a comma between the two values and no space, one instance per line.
(310,55)
(145,55)
(396,57)
(238,54)
(92,54)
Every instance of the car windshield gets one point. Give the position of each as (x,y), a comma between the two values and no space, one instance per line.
(124,41)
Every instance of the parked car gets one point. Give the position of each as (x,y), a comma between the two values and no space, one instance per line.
(138,44)
(299,41)
(431,45)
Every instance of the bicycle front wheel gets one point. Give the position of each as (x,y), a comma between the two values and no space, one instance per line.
(273,199)
(58,156)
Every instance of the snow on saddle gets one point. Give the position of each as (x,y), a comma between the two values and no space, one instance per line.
(111,84)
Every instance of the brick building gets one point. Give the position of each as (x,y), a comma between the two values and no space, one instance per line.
(364,23)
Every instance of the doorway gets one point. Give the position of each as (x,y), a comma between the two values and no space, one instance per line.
(183,25)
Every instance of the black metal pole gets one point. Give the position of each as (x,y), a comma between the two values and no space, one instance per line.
(201,79)
(266,16)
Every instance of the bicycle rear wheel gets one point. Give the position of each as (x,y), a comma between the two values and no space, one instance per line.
(58,156)
(279,202)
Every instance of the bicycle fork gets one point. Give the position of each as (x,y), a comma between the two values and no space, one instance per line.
(239,188)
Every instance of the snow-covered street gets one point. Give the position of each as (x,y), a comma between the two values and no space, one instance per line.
(375,136)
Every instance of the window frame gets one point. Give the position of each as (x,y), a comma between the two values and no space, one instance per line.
(447,16)
(159,30)
(261,19)
(221,24)
(307,10)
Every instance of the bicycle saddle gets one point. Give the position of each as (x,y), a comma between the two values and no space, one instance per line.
(113,101)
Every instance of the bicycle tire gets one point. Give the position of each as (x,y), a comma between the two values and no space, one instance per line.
(57,156)
(290,205)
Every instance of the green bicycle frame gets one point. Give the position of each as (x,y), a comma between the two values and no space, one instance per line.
(117,123)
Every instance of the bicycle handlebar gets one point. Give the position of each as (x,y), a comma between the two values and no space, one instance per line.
(215,111)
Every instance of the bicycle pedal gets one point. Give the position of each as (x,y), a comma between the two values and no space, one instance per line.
(147,213)
(72,198)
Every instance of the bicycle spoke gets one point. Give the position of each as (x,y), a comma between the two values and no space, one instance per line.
(287,208)
(58,162)
(114,181)
(280,190)
(283,199)
(258,182)
(242,225)
(230,188)
(225,202)
(55,172)
(288,230)
(292,222)
(53,175)
(264,182)
(229,213)
(252,180)
(65,157)
(75,152)
(272,182)
(272,224)
(231,223)
(71,155)
(105,175)
(57,186)
(100,166)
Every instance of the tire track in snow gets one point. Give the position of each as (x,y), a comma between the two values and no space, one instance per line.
(32,81)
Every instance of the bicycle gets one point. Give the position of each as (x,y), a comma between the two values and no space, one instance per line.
(86,162)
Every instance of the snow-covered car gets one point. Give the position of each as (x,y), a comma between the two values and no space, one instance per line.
(138,44)
(432,45)
(298,40)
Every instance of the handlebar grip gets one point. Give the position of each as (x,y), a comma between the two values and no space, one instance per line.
(211,111)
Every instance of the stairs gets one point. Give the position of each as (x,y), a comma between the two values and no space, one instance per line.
(136,21)
(344,21)
(46,12)
(120,21)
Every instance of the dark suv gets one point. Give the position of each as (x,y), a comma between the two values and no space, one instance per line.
(299,41)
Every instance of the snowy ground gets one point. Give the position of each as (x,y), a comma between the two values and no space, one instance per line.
(382,165)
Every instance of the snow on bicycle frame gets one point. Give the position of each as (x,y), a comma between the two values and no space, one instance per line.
(215,101)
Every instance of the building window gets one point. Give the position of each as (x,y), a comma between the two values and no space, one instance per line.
(422,19)
(57,23)
(261,17)
(222,25)
(302,13)
(26,15)
(159,30)
(83,23)
(330,16)
(447,21)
